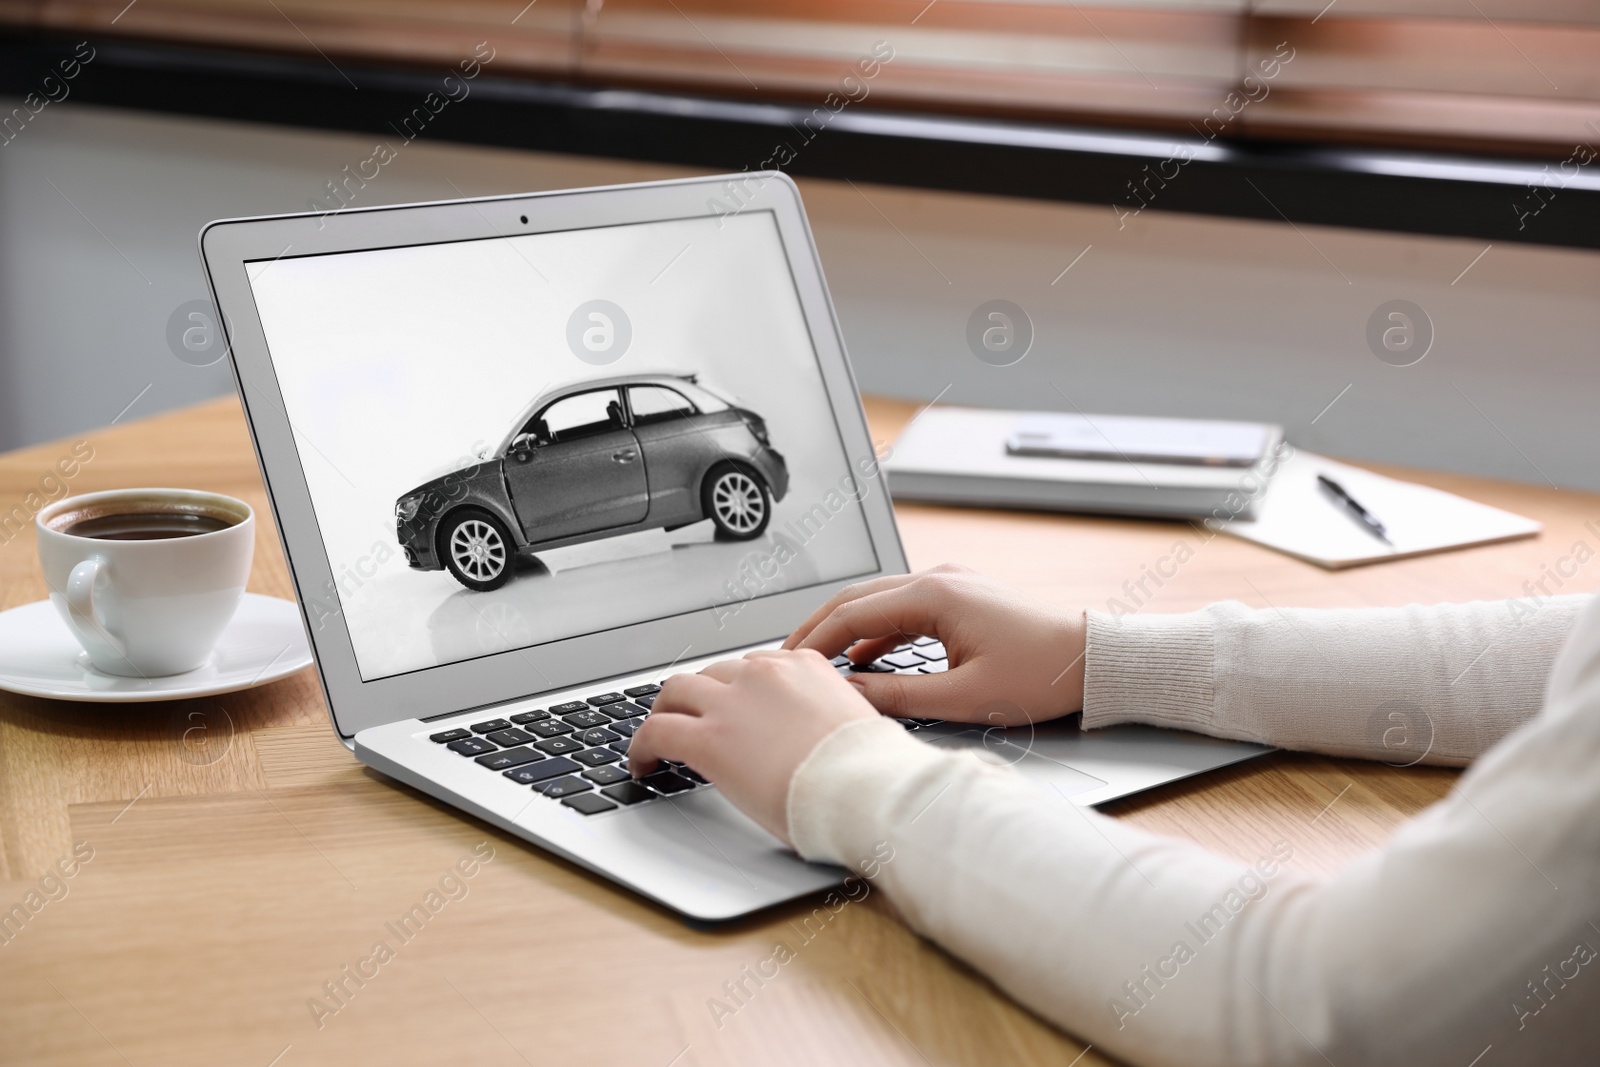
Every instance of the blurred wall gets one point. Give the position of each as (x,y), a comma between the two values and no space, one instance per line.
(1167,314)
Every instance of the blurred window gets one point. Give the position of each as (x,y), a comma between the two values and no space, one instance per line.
(1515,76)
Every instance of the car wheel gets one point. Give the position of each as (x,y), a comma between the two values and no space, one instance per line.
(477,549)
(737,502)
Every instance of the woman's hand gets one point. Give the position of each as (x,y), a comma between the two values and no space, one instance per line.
(1011,660)
(746,724)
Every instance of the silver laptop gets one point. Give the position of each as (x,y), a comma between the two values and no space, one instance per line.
(531,455)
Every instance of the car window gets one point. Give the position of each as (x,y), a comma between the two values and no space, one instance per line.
(655,403)
(582,415)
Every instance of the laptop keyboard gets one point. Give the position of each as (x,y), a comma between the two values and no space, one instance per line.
(576,752)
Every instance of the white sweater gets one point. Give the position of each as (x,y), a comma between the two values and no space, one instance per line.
(1473,927)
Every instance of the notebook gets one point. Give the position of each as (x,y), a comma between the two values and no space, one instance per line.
(989,458)
(1295,516)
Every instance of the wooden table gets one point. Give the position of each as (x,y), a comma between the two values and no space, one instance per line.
(241,858)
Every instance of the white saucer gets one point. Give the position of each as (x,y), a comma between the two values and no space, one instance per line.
(40,657)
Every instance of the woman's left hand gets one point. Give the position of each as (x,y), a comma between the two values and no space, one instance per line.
(746,724)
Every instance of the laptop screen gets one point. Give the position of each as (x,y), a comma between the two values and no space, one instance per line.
(523,439)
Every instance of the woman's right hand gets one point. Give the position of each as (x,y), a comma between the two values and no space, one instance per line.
(1012,660)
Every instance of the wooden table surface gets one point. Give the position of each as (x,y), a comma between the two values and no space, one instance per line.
(239,858)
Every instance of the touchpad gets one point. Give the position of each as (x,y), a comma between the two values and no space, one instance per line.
(1022,748)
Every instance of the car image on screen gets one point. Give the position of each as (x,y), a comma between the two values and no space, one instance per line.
(596,459)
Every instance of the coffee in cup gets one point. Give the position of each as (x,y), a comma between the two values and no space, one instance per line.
(152,525)
(146,579)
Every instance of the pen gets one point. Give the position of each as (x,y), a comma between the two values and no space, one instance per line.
(1353,506)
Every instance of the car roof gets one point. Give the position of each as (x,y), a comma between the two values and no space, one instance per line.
(686,383)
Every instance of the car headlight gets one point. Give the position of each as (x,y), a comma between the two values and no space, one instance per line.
(408,507)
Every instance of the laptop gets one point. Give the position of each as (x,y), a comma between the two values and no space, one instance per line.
(531,455)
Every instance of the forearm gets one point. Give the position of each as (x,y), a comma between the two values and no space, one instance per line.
(1059,905)
(1438,684)
(1162,953)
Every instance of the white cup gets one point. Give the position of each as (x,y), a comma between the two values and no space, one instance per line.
(146,608)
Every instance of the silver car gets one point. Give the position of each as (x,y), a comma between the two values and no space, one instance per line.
(594,459)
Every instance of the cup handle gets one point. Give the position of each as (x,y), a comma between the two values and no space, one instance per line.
(100,642)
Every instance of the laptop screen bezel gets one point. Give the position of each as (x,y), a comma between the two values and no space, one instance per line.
(356,704)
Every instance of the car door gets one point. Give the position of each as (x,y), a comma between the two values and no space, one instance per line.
(577,470)
(674,450)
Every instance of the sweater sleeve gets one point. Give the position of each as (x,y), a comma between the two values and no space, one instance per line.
(1469,929)
(1438,684)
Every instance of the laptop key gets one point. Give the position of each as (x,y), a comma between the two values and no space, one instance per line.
(606,775)
(628,793)
(647,702)
(626,727)
(934,651)
(841,660)
(667,782)
(508,738)
(619,746)
(558,746)
(490,727)
(875,667)
(553,728)
(589,804)
(605,698)
(902,660)
(529,773)
(924,641)
(563,787)
(625,710)
(511,757)
(571,705)
(450,735)
(585,719)
(594,757)
(536,715)
(934,668)
(693,775)
(598,736)
(641,690)
(471,746)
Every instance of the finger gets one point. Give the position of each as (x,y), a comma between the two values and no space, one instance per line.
(724,670)
(674,737)
(914,696)
(867,651)
(685,694)
(780,654)
(844,596)
(910,609)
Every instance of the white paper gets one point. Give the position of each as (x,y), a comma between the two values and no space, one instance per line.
(1300,518)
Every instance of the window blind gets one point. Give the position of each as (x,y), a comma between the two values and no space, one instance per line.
(1519,77)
